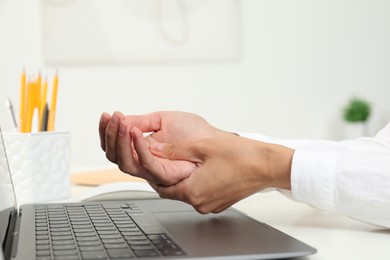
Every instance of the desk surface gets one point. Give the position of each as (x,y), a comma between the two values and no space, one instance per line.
(334,236)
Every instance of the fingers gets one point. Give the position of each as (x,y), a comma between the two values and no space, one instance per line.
(136,160)
(127,159)
(183,191)
(146,123)
(109,127)
(144,156)
(204,194)
(155,171)
(202,204)
(104,119)
(172,192)
(111,135)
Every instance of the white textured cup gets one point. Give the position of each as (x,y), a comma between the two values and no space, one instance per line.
(40,165)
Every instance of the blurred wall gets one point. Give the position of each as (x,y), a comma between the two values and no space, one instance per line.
(300,63)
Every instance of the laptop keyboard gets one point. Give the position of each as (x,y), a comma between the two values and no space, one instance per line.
(99,231)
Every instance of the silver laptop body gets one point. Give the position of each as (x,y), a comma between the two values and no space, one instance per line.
(147,229)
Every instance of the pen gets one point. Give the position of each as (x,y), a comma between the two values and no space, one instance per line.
(11,111)
(42,108)
(45,118)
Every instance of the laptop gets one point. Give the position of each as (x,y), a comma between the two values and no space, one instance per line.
(130,229)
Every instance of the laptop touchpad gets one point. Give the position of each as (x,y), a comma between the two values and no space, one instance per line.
(228,232)
(193,222)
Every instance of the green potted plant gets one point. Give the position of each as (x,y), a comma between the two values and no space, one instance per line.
(356,113)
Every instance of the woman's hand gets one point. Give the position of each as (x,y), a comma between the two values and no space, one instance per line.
(122,138)
(229,168)
(185,158)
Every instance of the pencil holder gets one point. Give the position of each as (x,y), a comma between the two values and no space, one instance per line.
(39,164)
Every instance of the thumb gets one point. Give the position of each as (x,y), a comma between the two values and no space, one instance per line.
(173,151)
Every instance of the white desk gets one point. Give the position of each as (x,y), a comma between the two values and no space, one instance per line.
(334,236)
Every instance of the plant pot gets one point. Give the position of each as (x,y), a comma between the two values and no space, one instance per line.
(353,130)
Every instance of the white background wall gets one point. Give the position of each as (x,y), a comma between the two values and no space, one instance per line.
(301,61)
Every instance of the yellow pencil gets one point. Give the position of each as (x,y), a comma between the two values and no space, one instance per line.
(53,104)
(38,85)
(22,101)
(29,106)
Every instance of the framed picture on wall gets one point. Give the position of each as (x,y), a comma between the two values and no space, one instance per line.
(98,31)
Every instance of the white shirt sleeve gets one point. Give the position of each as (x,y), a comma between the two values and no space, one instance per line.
(350,177)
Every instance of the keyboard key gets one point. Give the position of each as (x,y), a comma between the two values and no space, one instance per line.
(125,222)
(85,234)
(105,224)
(158,237)
(114,236)
(60,229)
(64,247)
(56,238)
(42,228)
(93,255)
(78,219)
(126,225)
(63,242)
(134,238)
(113,241)
(142,247)
(92,238)
(139,242)
(42,237)
(58,222)
(105,220)
(101,234)
(128,229)
(113,228)
(43,253)
(107,232)
(66,257)
(58,218)
(78,223)
(88,243)
(84,230)
(120,218)
(59,226)
(65,252)
(146,253)
(98,218)
(61,233)
(132,233)
(84,226)
(120,245)
(120,253)
(90,248)
(43,258)
(42,247)
(42,242)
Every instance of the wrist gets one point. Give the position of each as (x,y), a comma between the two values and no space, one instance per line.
(278,165)
(253,165)
(263,165)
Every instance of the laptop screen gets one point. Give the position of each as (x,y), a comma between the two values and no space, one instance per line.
(7,195)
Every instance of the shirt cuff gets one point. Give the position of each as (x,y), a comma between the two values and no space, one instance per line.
(312,176)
